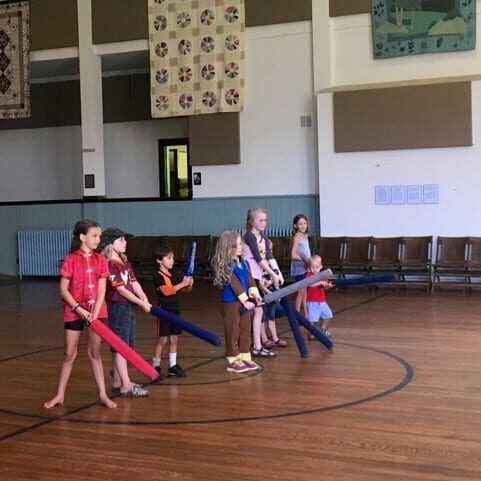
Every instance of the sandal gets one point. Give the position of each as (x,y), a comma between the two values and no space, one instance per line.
(263,352)
(280,343)
(267,344)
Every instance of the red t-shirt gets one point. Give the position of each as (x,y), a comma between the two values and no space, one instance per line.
(315,294)
(84,270)
(121,274)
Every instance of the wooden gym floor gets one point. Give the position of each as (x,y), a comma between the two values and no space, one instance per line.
(399,398)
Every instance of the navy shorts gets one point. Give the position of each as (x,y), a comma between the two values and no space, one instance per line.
(166,329)
(77,325)
(122,321)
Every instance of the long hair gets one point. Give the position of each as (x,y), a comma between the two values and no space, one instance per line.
(296,219)
(81,227)
(251,213)
(224,257)
(108,250)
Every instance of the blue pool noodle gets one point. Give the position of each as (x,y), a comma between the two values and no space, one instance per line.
(291,317)
(197,331)
(322,338)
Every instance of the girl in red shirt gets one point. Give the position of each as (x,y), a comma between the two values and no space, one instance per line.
(83,280)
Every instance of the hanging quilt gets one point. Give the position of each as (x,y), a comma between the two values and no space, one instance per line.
(196,56)
(14,60)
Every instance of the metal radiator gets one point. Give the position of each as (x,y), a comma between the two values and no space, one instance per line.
(270,231)
(41,251)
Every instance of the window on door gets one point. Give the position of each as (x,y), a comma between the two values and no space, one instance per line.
(175,172)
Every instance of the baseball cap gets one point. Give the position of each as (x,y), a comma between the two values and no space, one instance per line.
(110,234)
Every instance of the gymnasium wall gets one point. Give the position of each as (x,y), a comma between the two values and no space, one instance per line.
(200,216)
(348,68)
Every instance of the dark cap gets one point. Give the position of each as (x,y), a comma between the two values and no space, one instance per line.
(110,234)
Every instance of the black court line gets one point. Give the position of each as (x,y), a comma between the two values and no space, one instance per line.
(408,377)
(64,417)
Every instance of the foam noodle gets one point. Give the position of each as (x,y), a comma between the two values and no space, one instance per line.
(191,260)
(291,317)
(358,280)
(124,349)
(314,330)
(187,326)
(296,286)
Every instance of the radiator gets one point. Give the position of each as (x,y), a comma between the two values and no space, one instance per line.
(41,251)
(270,231)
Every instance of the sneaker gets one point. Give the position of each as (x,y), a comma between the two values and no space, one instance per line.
(159,371)
(251,365)
(136,391)
(176,370)
(237,366)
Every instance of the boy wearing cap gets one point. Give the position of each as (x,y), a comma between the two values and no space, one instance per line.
(123,292)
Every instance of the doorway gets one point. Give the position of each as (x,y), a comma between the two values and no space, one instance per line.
(175,172)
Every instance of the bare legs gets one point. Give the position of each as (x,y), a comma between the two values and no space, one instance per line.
(301,301)
(71,343)
(256,328)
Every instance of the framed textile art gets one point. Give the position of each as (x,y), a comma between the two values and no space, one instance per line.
(14,60)
(408,27)
(196,56)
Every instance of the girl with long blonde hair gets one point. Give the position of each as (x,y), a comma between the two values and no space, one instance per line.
(238,290)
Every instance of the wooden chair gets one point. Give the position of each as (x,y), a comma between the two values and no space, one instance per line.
(385,254)
(209,272)
(280,250)
(202,253)
(331,249)
(146,265)
(473,262)
(450,268)
(415,264)
(356,257)
(134,249)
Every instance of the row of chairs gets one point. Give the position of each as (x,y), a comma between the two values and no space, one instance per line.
(141,249)
(457,260)
(408,257)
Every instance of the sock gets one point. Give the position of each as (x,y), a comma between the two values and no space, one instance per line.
(172,359)
(156,361)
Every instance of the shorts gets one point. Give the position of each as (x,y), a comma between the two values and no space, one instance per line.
(269,312)
(317,311)
(77,325)
(166,329)
(122,322)
(272,311)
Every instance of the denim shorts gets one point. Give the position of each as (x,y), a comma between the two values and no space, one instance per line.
(317,311)
(272,311)
(122,321)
